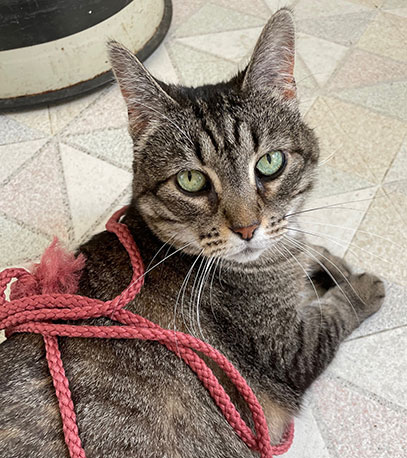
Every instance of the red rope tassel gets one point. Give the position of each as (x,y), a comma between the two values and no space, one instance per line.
(35,312)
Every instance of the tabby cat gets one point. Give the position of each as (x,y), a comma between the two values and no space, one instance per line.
(220,172)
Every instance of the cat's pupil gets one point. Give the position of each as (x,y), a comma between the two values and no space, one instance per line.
(189,176)
(269,158)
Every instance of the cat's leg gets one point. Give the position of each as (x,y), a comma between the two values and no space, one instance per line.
(326,322)
(325,268)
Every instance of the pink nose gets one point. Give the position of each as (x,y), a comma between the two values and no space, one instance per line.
(246,233)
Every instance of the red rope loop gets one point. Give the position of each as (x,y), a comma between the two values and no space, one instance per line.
(36,313)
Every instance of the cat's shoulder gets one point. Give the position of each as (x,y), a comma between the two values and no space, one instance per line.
(107,267)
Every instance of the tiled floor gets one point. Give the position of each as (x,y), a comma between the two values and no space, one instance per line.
(65,167)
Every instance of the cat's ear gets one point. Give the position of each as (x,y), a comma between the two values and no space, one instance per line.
(146,100)
(272,61)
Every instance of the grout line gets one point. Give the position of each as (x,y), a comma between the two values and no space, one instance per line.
(377,398)
(382,331)
(186,45)
(25,164)
(364,107)
(65,196)
(404,139)
(95,155)
(373,199)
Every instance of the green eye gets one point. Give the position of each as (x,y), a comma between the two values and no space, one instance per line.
(191,180)
(270,163)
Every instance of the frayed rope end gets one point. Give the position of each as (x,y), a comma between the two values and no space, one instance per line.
(58,272)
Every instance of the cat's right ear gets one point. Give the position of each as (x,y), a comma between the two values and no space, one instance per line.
(272,63)
(146,100)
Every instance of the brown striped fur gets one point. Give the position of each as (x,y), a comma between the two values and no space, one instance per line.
(136,399)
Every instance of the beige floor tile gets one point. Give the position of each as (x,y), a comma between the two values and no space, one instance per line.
(236,44)
(160,65)
(196,68)
(363,68)
(106,185)
(387,36)
(36,118)
(212,18)
(107,110)
(13,156)
(365,143)
(62,113)
(335,219)
(257,8)
(305,9)
(321,56)
(383,252)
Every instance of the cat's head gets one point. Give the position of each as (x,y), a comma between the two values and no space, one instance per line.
(218,167)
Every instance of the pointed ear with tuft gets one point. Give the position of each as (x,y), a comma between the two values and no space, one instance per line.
(272,62)
(146,100)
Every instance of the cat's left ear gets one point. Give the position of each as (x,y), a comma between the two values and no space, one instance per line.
(146,100)
(272,61)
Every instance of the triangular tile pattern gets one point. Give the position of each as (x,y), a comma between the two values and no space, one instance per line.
(399,12)
(62,113)
(196,68)
(15,155)
(384,98)
(334,221)
(160,65)
(34,118)
(36,197)
(395,187)
(356,424)
(19,244)
(182,11)
(99,225)
(108,110)
(343,29)
(99,181)
(396,192)
(213,18)
(397,7)
(13,132)
(393,28)
(308,442)
(391,4)
(363,68)
(274,5)
(398,169)
(381,247)
(256,8)
(331,181)
(307,87)
(236,44)
(321,56)
(392,313)
(354,363)
(364,143)
(326,8)
(112,145)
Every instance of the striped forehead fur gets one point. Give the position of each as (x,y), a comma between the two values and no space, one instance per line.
(220,130)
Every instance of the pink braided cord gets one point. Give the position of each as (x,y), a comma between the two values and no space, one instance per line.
(34,314)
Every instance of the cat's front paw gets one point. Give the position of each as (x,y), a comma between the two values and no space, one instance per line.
(366,292)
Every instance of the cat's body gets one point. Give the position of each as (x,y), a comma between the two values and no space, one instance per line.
(137,399)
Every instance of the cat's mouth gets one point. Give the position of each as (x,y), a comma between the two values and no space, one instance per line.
(247,254)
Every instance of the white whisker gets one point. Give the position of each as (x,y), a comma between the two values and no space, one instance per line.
(306,273)
(320,223)
(304,247)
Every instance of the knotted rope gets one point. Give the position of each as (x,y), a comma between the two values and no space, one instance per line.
(36,313)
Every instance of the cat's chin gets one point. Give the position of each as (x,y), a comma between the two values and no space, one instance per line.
(246,255)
